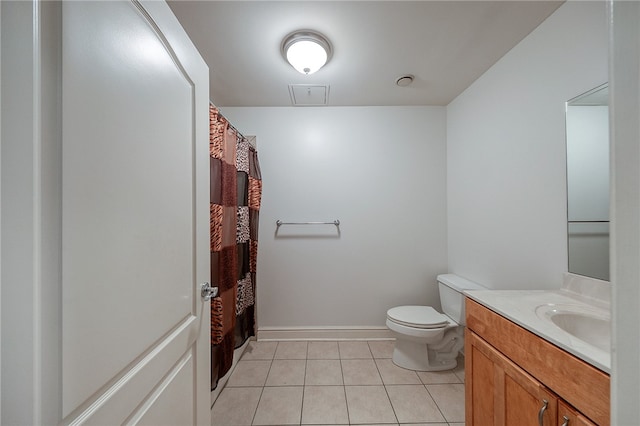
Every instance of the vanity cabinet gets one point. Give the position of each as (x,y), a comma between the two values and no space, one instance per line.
(514,377)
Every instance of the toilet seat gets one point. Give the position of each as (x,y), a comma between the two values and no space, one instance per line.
(421,317)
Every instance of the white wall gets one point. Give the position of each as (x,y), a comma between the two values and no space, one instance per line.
(381,172)
(506,173)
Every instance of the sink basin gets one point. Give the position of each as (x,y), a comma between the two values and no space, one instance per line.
(591,325)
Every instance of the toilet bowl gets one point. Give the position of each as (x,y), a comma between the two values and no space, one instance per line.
(427,340)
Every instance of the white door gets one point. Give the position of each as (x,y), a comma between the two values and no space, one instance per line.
(135,330)
(118,333)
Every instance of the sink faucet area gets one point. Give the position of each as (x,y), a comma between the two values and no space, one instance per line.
(576,317)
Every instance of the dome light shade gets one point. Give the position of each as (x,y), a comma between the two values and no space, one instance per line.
(306,51)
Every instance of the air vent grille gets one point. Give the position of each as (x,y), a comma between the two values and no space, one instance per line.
(309,94)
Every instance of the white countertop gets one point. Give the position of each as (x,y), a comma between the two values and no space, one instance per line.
(519,306)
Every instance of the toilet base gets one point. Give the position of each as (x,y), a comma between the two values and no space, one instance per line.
(416,355)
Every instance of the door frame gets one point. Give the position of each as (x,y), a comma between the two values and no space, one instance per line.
(624,83)
(31,239)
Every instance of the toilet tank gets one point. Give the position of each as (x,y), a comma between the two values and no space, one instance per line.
(451,287)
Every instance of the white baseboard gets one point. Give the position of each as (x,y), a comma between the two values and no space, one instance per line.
(323,333)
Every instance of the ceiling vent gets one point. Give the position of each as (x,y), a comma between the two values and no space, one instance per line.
(404,80)
(309,94)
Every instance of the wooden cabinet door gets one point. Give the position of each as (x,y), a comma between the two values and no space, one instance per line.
(500,393)
(480,389)
(526,401)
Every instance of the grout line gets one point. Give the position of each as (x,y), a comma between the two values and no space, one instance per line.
(264,385)
(344,385)
(436,402)
(386,391)
(371,353)
(346,402)
(274,351)
(304,384)
(253,418)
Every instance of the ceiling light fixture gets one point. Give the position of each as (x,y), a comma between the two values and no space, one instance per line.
(307,51)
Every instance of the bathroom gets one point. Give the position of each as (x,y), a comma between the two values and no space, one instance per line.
(487,171)
(421,190)
(475,187)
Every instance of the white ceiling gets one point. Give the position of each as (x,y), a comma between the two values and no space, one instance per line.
(446,44)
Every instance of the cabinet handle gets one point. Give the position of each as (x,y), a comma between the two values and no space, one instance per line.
(545,404)
(566,421)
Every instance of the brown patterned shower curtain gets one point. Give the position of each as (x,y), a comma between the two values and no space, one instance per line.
(236,190)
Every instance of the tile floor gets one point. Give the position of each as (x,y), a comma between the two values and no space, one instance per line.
(336,383)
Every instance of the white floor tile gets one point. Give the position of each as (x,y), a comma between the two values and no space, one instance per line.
(291,350)
(286,372)
(260,350)
(323,350)
(360,372)
(324,405)
(235,406)
(249,373)
(381,348)
(394,375)
(354,350)
(413,404)
(438,377)
(279,406)
(450,400)
(369,404)
(429,424)
(323,372)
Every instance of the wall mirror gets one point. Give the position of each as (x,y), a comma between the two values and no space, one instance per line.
(587,121)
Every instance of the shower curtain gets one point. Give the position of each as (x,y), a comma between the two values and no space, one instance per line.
(236,190)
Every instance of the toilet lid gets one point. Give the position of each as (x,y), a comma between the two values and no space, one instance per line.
(417,316)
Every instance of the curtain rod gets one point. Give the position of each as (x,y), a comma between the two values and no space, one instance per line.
(228,122)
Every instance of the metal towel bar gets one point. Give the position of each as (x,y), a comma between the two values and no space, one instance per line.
(335,222)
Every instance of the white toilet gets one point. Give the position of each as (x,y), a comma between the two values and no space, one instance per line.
(427,340)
